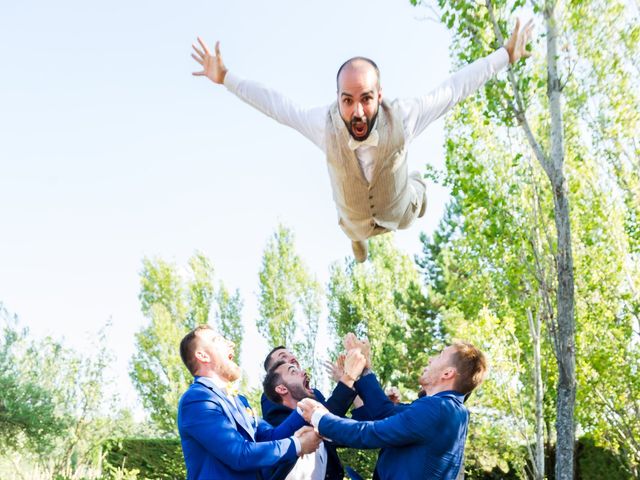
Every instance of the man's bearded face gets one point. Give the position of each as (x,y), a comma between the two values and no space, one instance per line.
(220,352)
(296,381)
(359,97)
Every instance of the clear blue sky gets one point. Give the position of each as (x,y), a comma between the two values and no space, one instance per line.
(110,150)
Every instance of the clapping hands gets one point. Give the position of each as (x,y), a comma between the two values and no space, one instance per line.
(349,366)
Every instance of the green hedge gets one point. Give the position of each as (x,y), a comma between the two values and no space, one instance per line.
(162,459)
(153,458)
(362,461)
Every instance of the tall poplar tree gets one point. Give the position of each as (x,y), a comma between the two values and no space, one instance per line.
(562,124)
(175,303)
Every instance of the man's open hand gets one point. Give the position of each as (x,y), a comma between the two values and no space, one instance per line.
(335,370)
(517,44)
(212,65)
(350,342)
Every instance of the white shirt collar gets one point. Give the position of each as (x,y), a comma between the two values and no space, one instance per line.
(218,382)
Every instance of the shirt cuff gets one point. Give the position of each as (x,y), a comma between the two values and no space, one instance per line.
(232,81)
(499,59)
(316,417)
(296,442)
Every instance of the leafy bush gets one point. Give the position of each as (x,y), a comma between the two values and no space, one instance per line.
(151,458)
(362,461)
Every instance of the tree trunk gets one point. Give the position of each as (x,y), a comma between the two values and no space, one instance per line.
(538,460)
(565,335)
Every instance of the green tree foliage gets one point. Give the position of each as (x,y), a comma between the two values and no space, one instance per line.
(57,405)
(229,316)
(175,303)
(290,299)
(28,416)
(157,458)
(383,301)
(494,260)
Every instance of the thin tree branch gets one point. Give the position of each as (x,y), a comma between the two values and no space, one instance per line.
(520,110)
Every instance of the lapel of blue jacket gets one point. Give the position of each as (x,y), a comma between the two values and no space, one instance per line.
(230,408)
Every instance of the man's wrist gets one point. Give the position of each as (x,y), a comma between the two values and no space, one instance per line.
(296,442)
(316,417)
(348,380)
(508,54)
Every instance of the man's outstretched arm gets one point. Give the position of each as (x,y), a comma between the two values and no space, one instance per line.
(421,111)
(412,425)
(310,122)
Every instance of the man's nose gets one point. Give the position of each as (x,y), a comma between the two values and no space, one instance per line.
(358,110)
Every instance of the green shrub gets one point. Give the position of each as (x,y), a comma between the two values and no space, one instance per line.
(597,463)
(150,458)
(362,461)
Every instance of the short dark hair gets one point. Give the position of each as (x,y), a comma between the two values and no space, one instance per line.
(268,361)
(471,365)
(188,347)
(271,381)
(353,60)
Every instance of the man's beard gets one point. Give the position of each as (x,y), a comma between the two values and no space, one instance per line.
(369,121)
(229,370)
(299,392)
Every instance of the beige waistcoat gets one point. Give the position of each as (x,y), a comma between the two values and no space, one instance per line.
(389,201)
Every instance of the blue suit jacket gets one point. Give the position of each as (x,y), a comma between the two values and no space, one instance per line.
(225,440)
(422,440)
(338,404)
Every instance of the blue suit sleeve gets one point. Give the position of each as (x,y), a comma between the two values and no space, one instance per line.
(266,432)
(416,422)
(210,427)
(340,400)
(376,403)
(362,413)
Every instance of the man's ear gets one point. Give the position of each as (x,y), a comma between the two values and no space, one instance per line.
(202,356)
(281,390)
(380,95)
(449,373)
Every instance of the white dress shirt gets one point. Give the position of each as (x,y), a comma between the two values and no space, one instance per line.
(417,113)
(312,466)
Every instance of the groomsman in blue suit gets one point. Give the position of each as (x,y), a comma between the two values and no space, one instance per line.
(423,440)
(285,385)
(220,434)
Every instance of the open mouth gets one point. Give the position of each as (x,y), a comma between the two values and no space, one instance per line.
(306,384)
(359,128)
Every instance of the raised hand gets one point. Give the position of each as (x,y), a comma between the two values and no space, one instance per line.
(350,342)
(335,370)
(517,43)
(365,348)
(307,406)
(393,394)
(212,65)
(354,364)
(309,440)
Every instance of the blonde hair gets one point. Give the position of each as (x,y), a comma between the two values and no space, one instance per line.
(471,365)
